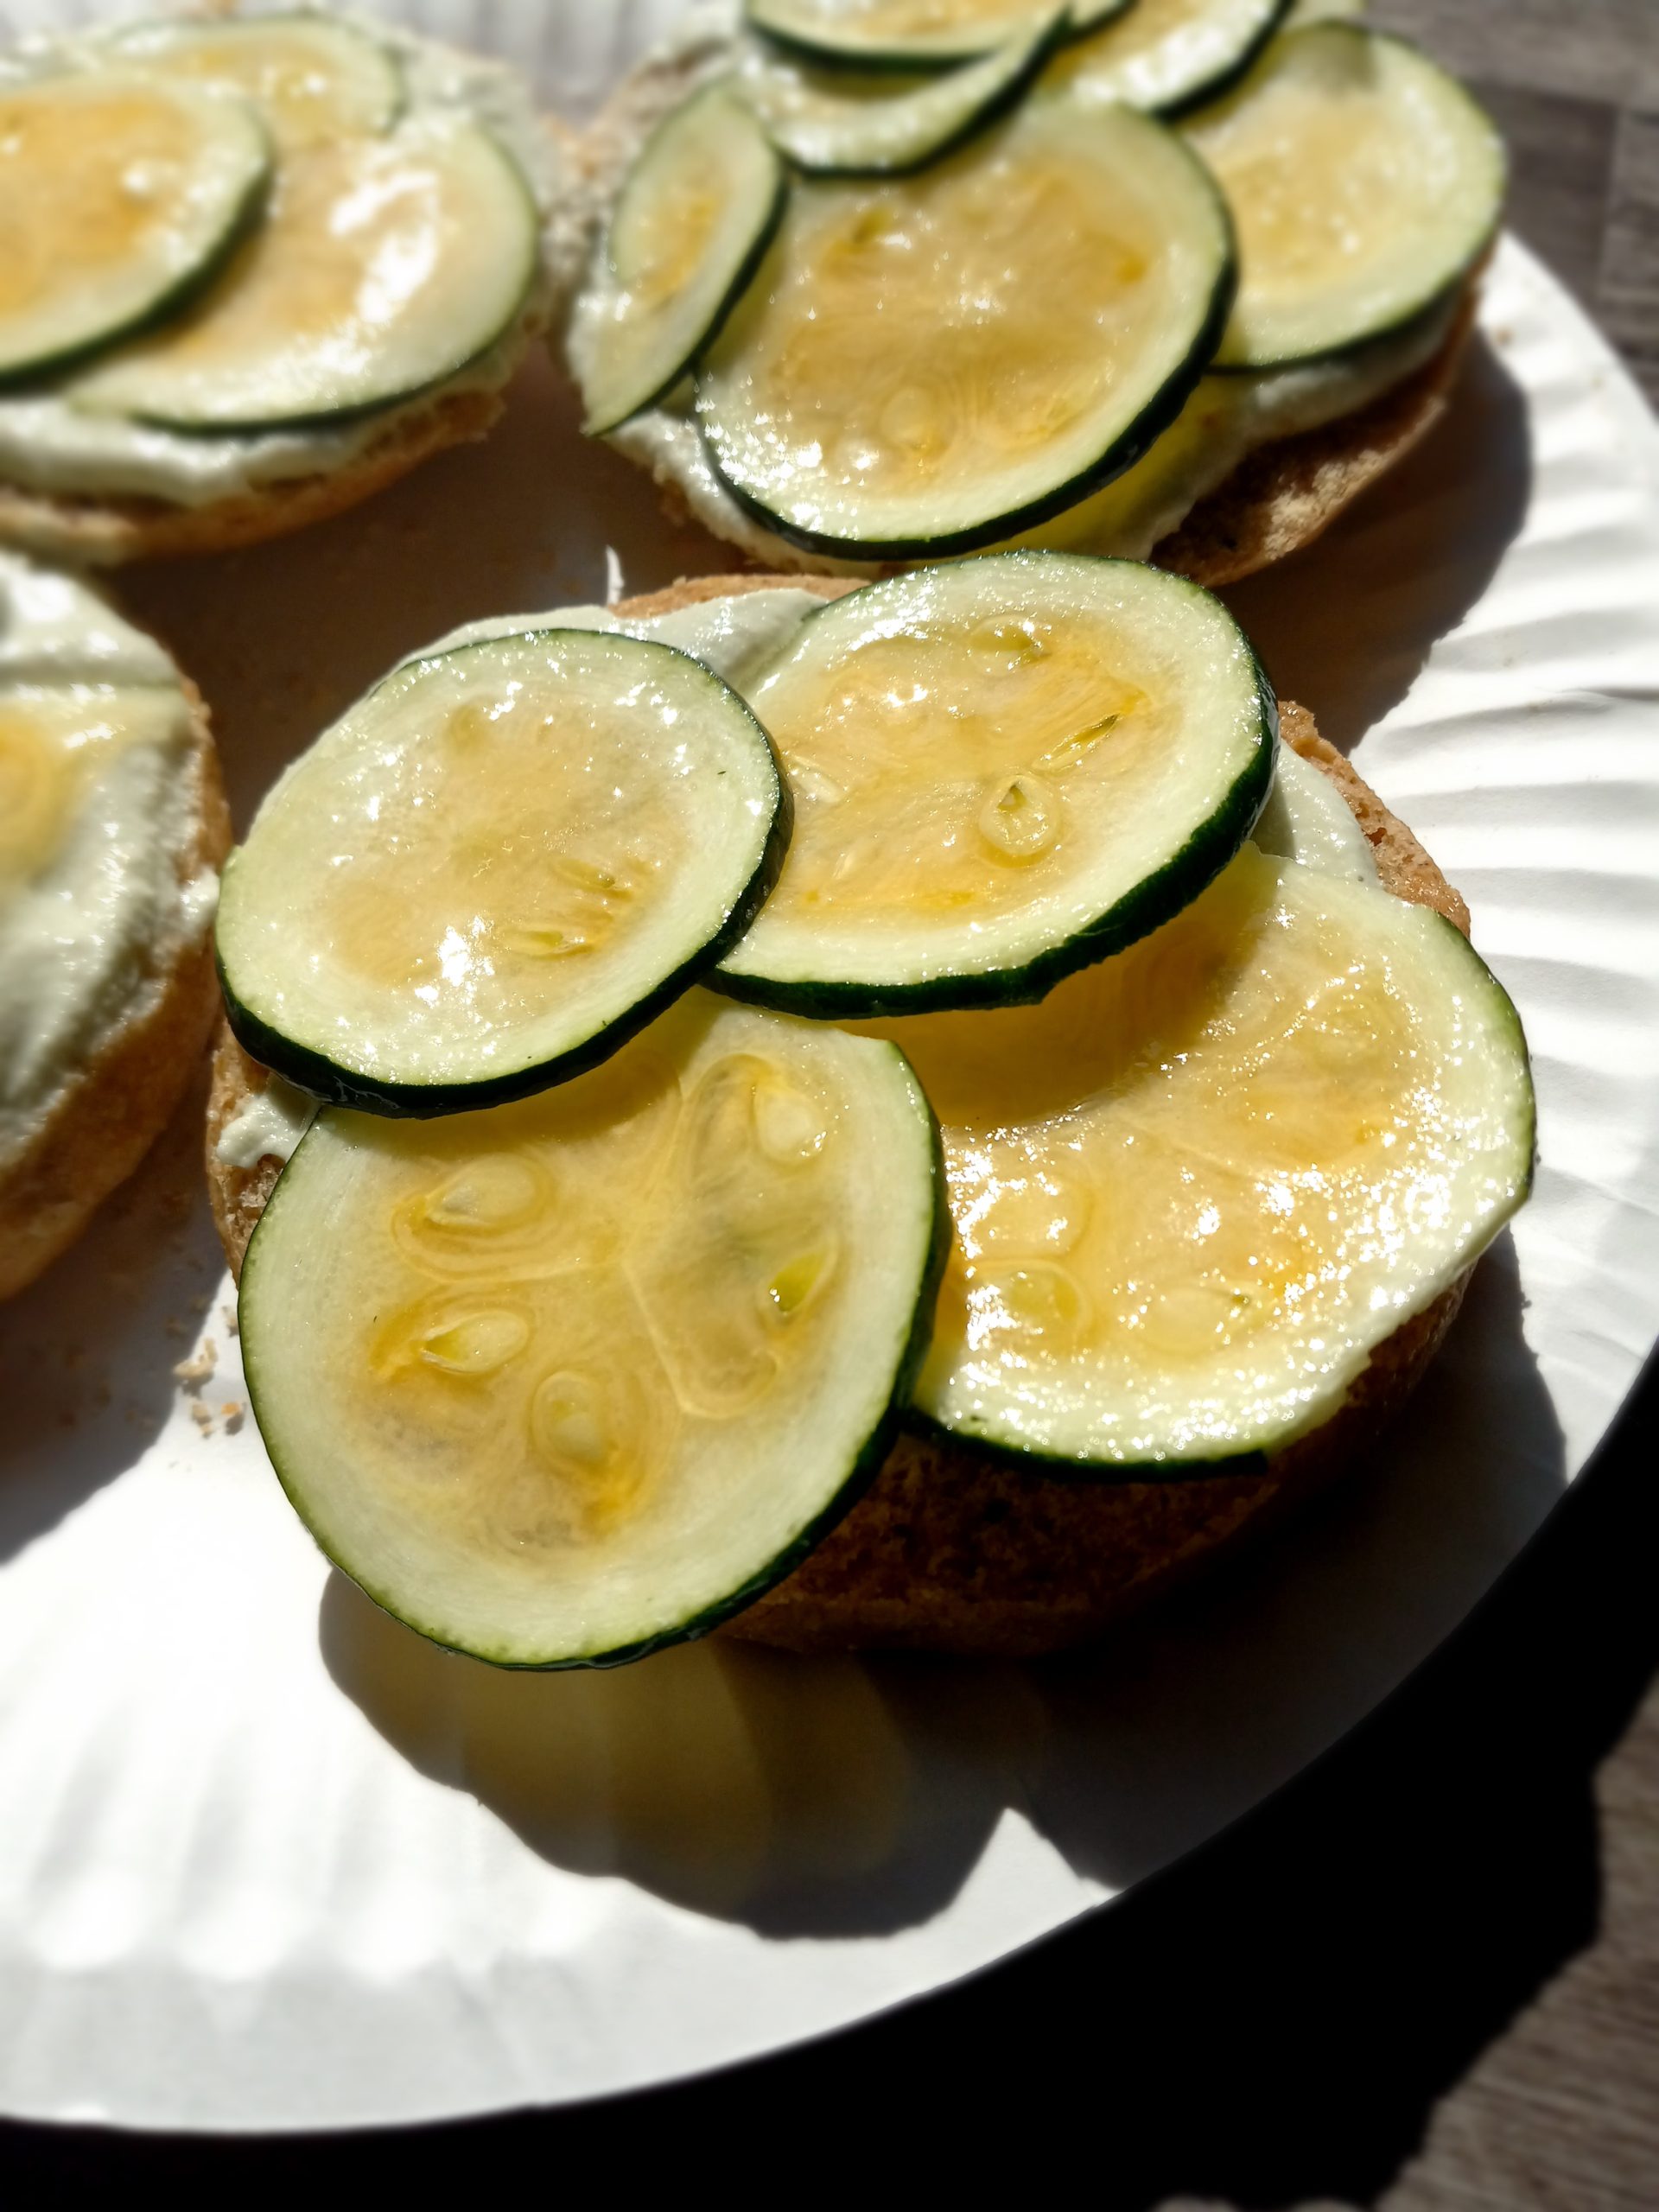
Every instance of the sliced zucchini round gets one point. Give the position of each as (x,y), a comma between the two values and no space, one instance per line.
(562,1382)
(694,216)
(909,34)
(117,196)
(927,364)
(1002,771)
(1165,54)
(1198,1185)
(312,78)
(386,265)
(1364,183)
(839,124)
(496,868)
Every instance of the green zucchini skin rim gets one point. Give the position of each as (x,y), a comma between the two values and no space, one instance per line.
(1131,444)
(1002,103)
(1058,1466)
(909,62)
(1229,74)
(46,368)
(866,1464)
(364,409)
(336,1085)
(1435,302)
(1146,906)
(599,427)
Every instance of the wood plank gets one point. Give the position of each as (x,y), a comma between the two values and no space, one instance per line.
(1560,171)
(1627,288)
(1605,50)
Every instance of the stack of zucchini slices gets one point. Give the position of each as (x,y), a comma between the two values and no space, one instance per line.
(680,1046)
(928,275)
(237,227)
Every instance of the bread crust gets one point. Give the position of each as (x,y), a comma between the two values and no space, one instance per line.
(1285,494)
(105,531)
(1279,498)
(121,1099)
(952,1549)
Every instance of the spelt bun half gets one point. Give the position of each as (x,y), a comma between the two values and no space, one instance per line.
(111,1108)
(951,1550)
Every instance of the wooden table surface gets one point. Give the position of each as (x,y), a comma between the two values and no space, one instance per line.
(1424,1978)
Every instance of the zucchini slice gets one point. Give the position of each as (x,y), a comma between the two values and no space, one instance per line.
(1165,55)
(496,868)
(927,364)
(386,265)
(842,125)
(1002,771)
(1365,183)
(562,1382)
(909,34)
(695,215)
(312,78)
(1198,1185)
(117,195)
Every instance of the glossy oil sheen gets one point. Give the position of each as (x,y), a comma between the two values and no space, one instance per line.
(1195,1186)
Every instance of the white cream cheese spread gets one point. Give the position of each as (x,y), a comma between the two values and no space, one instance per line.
(99,814)
(49,445)
(1227,418)
(268,1125)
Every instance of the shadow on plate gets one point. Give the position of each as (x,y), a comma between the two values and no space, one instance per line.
(86,1353)
(1407,562)
(854,1796)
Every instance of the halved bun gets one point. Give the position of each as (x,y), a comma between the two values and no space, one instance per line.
(951,1550)
(113,1107)
(86,529)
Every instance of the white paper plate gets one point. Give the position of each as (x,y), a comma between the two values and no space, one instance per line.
(267,1860)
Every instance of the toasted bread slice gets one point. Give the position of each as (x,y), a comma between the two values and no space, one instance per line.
(950,1549)
(112,1108)
(1279,498)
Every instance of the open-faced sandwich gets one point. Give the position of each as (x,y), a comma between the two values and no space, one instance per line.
(904,1115)
(870,281)
(251,269)
(112,826)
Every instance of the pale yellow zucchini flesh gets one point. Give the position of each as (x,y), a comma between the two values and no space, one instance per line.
(1196,1187)
(925,364)
(1364,183)
(907,31)
(583,1374)
(837,122)
(116,194)
(490,871)
(1002,770)
(691,222)
(1162,54)
(386,264)
(312,78)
